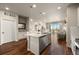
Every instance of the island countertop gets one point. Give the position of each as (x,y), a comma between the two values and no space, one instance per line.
(37,35)
(38,42)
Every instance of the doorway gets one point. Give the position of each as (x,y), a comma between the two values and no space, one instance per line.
(58,38)
(8,31)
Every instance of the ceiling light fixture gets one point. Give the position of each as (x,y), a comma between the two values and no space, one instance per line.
(7,8)
(33,6)
(31,19)
(43,13)
(59,8)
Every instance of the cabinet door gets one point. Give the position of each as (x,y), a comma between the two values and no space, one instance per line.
(8,29)
(34,45)
(43,42)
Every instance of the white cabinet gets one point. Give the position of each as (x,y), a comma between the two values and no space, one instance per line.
(21,35)
(43,42)
(34,45)
(8,27)
(37,44)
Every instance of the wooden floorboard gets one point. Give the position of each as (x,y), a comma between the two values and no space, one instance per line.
(20,48)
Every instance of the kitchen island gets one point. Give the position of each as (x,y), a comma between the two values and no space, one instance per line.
(38,42)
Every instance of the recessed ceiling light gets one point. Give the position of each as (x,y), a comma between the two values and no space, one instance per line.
(31,19)
(59,8)
(43,13)
(33,6)
(7,8)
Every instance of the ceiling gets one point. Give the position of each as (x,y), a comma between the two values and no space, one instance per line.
(34,13)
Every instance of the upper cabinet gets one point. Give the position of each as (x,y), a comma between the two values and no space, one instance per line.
(72,15)
(23,23)
(22,19)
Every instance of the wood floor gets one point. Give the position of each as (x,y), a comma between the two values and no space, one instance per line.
(20,48)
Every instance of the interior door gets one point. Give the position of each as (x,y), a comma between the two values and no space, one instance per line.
(7,31)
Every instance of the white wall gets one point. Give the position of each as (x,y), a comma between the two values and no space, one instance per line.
(75,31)
(71,21)
(0,28)
(78,15)
(58,16)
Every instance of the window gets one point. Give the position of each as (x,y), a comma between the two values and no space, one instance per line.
(55,26)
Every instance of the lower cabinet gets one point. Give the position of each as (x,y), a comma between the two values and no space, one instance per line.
(34,45)
(38,44)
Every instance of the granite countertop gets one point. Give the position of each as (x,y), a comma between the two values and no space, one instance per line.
(35,34)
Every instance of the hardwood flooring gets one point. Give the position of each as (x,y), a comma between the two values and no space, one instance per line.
(14,48)
(57,47)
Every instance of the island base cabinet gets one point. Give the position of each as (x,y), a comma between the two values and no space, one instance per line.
(34,45)
(38,44)
(43,42)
